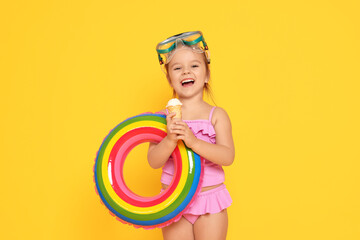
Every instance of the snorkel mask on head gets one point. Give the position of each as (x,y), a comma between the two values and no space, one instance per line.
(194,40)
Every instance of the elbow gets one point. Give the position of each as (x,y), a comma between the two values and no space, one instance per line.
(229,162)
(230,159)
(153,164)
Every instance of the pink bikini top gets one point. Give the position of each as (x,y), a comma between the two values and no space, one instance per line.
(213,173)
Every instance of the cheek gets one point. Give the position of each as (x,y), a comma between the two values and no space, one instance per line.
(173,76)
(202,73)
(171,80)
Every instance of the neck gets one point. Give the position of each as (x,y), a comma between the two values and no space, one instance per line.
(192,103)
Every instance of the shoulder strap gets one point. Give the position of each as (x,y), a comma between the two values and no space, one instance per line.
(211,113)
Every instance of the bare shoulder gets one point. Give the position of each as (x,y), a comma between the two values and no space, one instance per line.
(220,116)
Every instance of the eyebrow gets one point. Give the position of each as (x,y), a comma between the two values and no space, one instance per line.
(171,65)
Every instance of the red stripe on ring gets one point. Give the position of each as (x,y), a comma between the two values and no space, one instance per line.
(117,158)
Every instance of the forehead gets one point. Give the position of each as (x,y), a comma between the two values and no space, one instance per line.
(185,54)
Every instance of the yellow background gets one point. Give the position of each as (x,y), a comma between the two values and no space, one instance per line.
(287,72)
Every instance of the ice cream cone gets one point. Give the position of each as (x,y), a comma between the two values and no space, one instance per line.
(176,109)
(174,105)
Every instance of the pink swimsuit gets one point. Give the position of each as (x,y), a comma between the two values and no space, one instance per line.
(211,201)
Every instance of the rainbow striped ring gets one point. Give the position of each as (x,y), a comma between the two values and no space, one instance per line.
(125,205)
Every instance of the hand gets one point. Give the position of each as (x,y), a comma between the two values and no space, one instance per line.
(183,132)
(170,124)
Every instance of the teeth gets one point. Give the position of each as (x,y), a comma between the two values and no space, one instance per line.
(186,81)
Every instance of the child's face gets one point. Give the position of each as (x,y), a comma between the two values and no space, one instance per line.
(187,72)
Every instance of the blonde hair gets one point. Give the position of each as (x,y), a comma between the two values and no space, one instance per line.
(207,86)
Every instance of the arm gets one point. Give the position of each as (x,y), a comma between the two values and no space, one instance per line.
(159,153)
(221,153)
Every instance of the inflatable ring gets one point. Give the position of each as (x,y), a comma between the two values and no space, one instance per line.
(125,205)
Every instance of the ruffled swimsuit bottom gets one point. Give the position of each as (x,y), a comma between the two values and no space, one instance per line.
(208,202)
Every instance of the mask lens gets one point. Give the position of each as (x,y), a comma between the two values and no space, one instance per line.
(165,47)
(192,39)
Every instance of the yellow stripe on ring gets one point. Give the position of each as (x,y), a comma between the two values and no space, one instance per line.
(112,193)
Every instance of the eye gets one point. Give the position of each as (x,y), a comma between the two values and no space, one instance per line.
(195,66)
(177,68)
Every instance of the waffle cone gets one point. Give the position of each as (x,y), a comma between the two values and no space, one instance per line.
(176,109)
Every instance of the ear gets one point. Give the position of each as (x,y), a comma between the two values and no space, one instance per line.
(207,76)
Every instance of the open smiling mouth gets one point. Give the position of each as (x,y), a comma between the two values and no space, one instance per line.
(187,82)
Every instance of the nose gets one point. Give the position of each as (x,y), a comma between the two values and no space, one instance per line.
(186,70)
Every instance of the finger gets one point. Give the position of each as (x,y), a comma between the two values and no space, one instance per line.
(176,120)
(170,116)
(180,123)
(177,131)
(179,127)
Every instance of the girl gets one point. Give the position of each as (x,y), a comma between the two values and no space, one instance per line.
(207,131)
